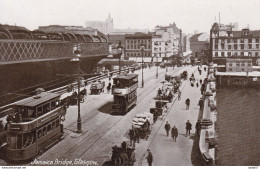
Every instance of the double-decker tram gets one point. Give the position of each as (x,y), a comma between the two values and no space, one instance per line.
(33,126)
(124,91)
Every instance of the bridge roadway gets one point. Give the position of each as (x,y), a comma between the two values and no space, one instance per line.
(101,129)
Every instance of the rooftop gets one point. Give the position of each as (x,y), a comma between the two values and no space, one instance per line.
(37,100)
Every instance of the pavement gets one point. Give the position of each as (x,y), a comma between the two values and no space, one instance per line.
(185,151)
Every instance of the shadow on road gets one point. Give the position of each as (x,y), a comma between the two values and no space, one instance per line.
(106,108)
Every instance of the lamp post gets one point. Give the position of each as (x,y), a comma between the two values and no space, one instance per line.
(142,50)
(156,47)
(119,51)
(166,47)
(76,51)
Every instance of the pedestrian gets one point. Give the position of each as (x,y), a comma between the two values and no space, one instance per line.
(108,88)
(187,102)
(200,104)
(179,95)
(200,72)
(132,136)
(155,115)
(167,128)
(159,92)
(174,133)
(198,127)
(149,158)
(200,81)
(205,69)
(197,84)
(137,136)
(188,127)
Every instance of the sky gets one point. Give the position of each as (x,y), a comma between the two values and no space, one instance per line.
(189,15)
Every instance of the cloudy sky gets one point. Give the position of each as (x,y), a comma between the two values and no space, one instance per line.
(189,15)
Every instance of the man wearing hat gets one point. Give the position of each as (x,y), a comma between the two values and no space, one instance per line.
(149,158)
(198,127)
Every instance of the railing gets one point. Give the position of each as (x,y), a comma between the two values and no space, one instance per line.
(26,50)
(207,140)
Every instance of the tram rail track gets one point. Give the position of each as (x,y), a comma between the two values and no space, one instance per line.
(105,122)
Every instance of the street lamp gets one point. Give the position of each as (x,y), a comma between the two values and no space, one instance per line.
(156,47)
(166,47)
(142,50)
(77,52)
(119,51)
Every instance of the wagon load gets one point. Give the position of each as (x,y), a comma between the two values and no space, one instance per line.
(97,87)
(140,119)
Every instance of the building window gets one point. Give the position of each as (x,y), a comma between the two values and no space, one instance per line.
(228,41)
(235,40)
(222,46)
(216,47)
(229,46)
(242,41)
(257,46)
(238,64)
(242,64)
(249,54)
(256,54)
(249,40)
(222,54)
(242,53)
(230,64)
(250,46)
(216,53)
(229,53)
(242,46)
(249,64)
(257,40)
(235,46)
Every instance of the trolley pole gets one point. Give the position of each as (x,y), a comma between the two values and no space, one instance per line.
(79,118)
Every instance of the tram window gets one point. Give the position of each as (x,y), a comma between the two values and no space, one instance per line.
(53,105)
(39,111)
(39,133)
(44,131)
(46,108)
(57,123)
(49,128)
(31,113)
(53,125)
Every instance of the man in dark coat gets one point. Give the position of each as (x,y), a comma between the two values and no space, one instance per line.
(132,135)
(167,128)
(187,102)
(174,133)
(149,158)
(198,127)
(188,127)
(200,104)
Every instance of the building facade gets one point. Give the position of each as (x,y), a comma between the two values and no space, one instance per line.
(133,47)
(239,65)
(105,27)
(199,42)
(227,43)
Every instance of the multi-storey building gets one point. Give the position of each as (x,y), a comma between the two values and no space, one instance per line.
(133,47)
(199,42)
(227,43)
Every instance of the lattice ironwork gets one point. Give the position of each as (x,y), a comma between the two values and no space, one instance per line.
(14,50)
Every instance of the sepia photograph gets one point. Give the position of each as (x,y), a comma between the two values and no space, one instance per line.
(129,83)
